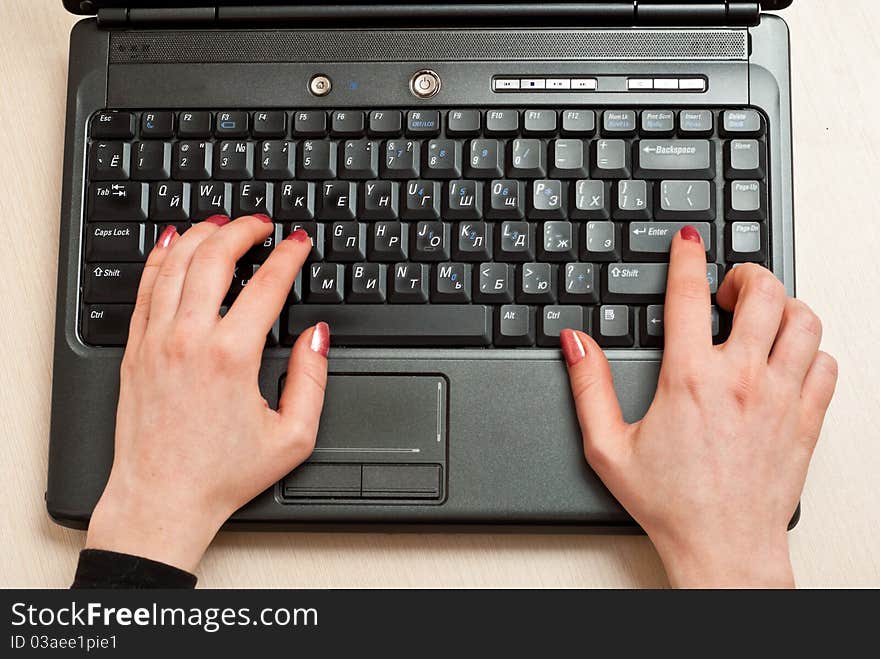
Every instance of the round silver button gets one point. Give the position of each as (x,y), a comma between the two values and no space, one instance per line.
(320,85)
(424,84)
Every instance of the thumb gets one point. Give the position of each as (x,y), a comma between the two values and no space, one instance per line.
(598,409)
(303,397)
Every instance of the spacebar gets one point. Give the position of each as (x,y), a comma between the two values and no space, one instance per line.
(395,325)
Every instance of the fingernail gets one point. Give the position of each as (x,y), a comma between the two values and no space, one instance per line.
(300,236)
(167,236)
(572,348)
(689,233)
(263,218)
(219,220)
(321,339)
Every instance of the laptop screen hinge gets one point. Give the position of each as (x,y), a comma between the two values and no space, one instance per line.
(733,13)
(160,16)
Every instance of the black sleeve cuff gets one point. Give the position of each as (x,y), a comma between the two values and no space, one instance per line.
(107,569)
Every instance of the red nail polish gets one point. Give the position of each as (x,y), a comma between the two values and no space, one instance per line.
(263,218)
(167,236)
(219,220)
(300,236)
(572,348)
(321,339)
(689,233)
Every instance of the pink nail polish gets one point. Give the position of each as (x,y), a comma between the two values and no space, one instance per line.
(300,236)
(572,348)
(167,236)
(219,220)
(263,218)
(690,233)
(321,339)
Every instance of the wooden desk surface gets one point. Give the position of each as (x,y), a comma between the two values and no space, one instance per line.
(836,58)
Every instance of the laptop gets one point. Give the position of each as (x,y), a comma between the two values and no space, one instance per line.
(474,178)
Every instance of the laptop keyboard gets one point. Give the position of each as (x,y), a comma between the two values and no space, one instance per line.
(461,227)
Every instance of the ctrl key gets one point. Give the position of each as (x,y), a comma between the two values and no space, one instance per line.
(106,324)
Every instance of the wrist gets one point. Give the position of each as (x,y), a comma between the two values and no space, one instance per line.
(173,531)
(728,565)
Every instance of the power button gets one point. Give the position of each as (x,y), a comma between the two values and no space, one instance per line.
(424,83)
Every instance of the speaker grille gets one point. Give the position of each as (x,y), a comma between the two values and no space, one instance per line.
(254,46)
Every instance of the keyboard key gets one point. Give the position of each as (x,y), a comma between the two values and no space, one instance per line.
(614,325)
(106,324)
(559,242)
(658,123)
(506,200)
(118,202)
(409,283)
(568,159)
(474,242)
(578,123)
(539,122)
(312,123)
(643,282)
(443,159)
(633,201)
(515,326)
(326,283)
(536,283)
(396,325)
(423,123)
(651,331)
(502,122)
(112,282)
(685,200)
(192,161)
(360,159)
(116,242)
(527,159)
(254,197)
(684,159)
(554,319)
(380,200)
(591,200)
(157,125)
(296,201)
(170,202)
(211,198)
(494,284)
(348,242)
(464,200)
(317,160)
(742,123)
(430,241)
(463,123)
(367,283)
(231,124)
(347,123)
(485,160)
(151,161)
(422,200)
(315,230)
(619,123)
(580,284)
(451,283)
(696,123)
(515,242)
(112,126)
(235,161)
(193,125)
(277,160)
(109,161)
(385,123)
(546,200)
(401,159)
(600,242)
(338,201)
(744,159)
(746,242)
(388,242)
(651,241)
(610,159)
(746,200)
(269,124)
(261,252)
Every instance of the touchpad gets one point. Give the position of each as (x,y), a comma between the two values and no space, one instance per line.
(381,437)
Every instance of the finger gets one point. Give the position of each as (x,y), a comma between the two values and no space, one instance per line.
(687,316)
(260,303)
(141,315)
(170,278)
(797,341)
(213,264)
(757,300)
(592,385)
(303,396)
(816,394)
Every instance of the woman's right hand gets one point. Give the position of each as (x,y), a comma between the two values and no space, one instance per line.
(714,471)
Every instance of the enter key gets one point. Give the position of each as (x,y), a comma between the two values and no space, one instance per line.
(650,241)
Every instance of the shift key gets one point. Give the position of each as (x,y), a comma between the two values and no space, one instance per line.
(643,282)
(113,283)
